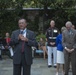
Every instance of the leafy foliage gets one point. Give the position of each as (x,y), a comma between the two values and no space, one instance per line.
(41,36)
(11,10)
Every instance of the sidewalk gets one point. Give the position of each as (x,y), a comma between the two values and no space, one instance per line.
(39,67)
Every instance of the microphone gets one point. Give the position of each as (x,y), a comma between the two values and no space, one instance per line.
(21,32)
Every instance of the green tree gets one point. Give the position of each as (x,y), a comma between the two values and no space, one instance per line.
(10,11)
(65,7)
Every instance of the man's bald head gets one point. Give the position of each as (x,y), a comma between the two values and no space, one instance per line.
(68,25)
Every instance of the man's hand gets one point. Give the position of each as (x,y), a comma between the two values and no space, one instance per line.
(72,50)
(52,43)
(69,50)
(21,37)
(25,39)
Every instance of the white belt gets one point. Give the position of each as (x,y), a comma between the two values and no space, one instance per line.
(52,37)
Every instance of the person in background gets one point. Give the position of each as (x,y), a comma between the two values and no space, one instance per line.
(42,46)
(2,42)
(70,69)
(1,48)
(51,35)
(60,54)
(7,38)
(69,44)
(73,26)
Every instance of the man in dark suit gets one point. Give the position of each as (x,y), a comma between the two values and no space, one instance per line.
(69,43)
(2,43)
(22,39)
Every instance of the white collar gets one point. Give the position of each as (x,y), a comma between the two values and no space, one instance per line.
(24,30)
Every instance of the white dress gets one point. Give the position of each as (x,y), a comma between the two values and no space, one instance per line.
(60,57)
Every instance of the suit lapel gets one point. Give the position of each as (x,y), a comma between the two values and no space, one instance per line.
(27,33)
(70,35)
(17,33)
(67,33)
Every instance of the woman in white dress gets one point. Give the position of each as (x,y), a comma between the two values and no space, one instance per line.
(60,54)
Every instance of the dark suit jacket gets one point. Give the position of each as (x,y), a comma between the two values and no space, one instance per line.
(27,47)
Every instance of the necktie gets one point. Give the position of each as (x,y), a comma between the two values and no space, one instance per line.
(70,32)
(23,43)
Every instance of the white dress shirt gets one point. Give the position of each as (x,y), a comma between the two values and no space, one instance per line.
(24,32)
